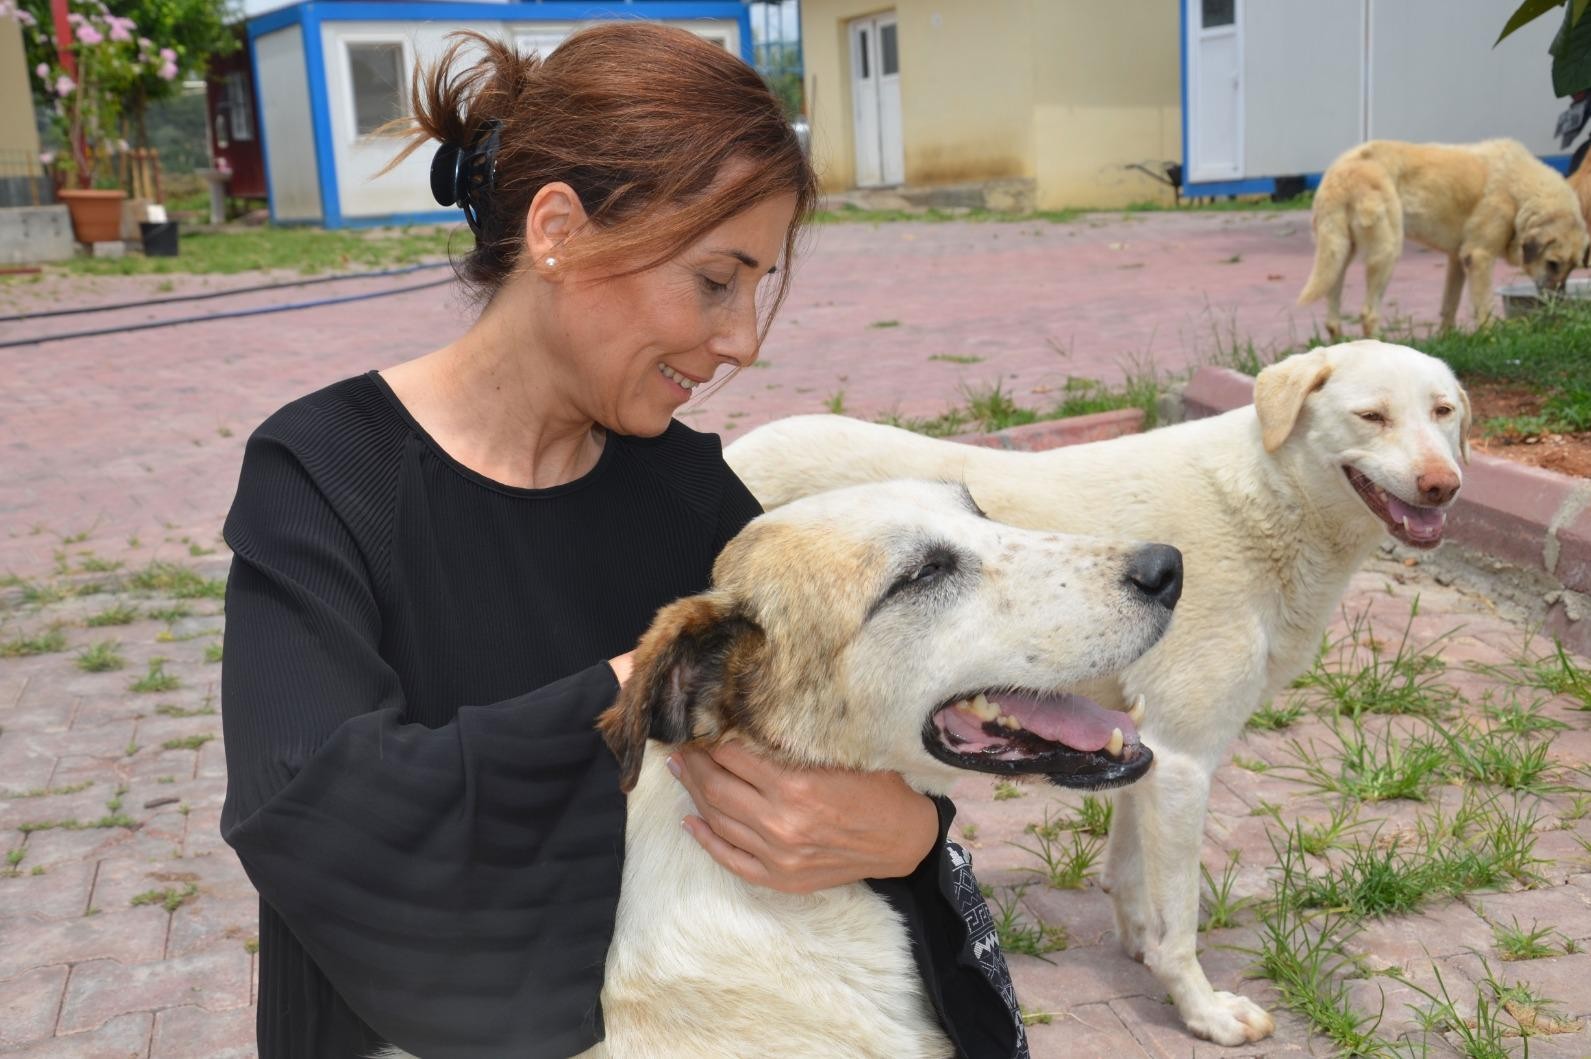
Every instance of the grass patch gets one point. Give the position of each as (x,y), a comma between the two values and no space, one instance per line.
(169,898)
(166,709)
(114,819)
(990,408)
(212,652)
(189,742)
(1516,943)
(120,614)
(1270,718)
(173,580)
(156,679)
(1221,909)
(50,792)
(1066,857)
(1369,767)
(1005,790)
(307,251)
(100,658)
(954,358)
(1373,676)
(26,646)
(1020,934)
(172,614)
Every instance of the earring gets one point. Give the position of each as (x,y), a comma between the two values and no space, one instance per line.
(552,262)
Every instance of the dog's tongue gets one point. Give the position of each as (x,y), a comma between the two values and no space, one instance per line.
(1422,523)
(1071,720)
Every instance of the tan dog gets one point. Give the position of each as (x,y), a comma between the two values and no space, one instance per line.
(886,627)
(1274,507)
(1580,184)
(1477,203)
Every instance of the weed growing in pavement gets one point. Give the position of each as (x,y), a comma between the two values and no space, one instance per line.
(1517,717)
(169,898)
(1005,790)
(1017,933)
(100,658)
(1370,767)
(1095,815)
(1374,677)
(120,614)
(1067,858)
(156,679)
(190,742)
(1221,909)
(48,642)
(1272,718)
(1516,943)
(181,582)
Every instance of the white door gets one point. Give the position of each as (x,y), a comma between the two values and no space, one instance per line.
(875,101)
(1215,82)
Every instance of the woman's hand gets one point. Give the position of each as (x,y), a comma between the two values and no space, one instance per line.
(801,830)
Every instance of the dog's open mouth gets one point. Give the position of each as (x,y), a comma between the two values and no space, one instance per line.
(1418,527)
(1070,739)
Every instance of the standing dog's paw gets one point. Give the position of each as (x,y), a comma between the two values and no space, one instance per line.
(1231,1019)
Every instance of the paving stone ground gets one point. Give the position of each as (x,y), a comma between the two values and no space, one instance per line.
(126,925)
(133,441)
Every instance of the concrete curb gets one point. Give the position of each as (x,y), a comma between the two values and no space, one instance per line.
(1537,519)
(1054,433)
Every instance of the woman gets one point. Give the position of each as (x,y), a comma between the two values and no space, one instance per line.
(440,568)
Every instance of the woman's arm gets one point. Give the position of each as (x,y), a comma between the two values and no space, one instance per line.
(457,885)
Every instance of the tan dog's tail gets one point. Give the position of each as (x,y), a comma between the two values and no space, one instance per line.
(1333,248)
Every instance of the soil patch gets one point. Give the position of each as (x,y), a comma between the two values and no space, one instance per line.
(1565,453)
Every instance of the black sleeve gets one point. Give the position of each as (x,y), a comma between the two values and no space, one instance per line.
(935,900)
(458,885)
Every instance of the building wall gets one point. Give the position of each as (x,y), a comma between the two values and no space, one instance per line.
(407,189)
(284,113)
(1107,95)
(18,137)
(1066,92)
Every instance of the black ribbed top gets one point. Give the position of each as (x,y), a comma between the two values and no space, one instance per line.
(415,659)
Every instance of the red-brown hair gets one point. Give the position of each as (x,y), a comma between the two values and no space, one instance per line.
(637,117)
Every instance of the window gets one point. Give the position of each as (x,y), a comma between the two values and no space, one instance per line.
(889,60)
(1218,13)
(238,104)
(376,80)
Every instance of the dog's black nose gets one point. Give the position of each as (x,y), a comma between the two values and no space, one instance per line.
(1156,571)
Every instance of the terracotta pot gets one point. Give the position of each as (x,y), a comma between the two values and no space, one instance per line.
(96,215)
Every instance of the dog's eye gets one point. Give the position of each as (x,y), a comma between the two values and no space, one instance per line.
(1371,417)
(1442,410)
(930,570)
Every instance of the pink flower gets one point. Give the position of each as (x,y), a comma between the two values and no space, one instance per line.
(168,55)
(145,43)
(42,70)
(119,28)
(25,18)
(46,157)
(75,19)
(168,72)
(64,86)
(88,34)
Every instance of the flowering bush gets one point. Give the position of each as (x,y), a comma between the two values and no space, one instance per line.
(110,59)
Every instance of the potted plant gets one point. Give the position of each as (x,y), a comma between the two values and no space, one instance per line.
(108,58)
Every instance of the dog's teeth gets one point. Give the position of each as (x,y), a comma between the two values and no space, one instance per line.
(984,708)
(1405,523)
(1113,748)
(1008,722)
(1136,712)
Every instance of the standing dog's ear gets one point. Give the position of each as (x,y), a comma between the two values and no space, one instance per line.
(1531,250)
(698,656)
(1279,393)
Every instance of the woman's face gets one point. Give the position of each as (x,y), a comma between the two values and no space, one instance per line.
(638,345)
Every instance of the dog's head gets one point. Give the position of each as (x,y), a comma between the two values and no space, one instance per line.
(1388,425)
(894,626)
(1551,243)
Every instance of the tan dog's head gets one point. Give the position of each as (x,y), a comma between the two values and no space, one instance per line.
(894,626)
(1551,240)
(1383,423)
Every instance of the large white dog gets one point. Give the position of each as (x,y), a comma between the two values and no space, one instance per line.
(1274,507)
(887,627)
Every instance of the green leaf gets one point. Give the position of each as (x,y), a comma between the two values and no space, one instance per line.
(1577,11)
(1529,11)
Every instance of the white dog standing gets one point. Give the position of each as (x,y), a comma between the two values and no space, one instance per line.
(1274,507)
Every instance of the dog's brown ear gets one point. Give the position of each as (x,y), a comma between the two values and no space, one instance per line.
(1280,390)
(1464,421)
(698,656)
(1531,250)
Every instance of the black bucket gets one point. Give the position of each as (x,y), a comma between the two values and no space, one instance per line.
(160,238)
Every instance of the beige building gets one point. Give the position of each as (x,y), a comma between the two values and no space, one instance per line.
(19,140)
(1064,95)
